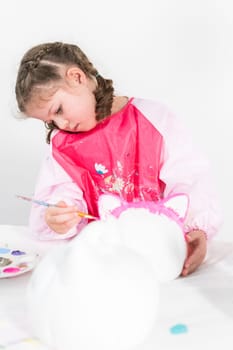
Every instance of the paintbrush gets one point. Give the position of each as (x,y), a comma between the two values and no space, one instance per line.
(46,204)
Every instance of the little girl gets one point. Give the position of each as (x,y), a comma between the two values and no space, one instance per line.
(103,143)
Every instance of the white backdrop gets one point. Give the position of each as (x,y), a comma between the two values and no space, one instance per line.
(177,51)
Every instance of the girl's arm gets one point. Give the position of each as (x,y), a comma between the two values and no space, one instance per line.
(54,185)
(184,169)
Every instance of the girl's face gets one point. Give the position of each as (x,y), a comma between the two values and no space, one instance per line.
(71,107)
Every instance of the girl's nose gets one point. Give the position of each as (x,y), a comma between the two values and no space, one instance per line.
(62,123)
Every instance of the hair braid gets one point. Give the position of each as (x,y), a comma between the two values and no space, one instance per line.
(104,97)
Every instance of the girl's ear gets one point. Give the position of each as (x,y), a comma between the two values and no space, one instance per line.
(76,75)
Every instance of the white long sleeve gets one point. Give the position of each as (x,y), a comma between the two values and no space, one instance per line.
(185,169)
(54,185)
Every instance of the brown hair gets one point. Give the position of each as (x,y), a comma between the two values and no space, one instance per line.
(41,66)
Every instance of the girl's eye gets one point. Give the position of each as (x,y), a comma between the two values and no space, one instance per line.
(59,110)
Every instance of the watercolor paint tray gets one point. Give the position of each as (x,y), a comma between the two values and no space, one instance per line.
(14,262)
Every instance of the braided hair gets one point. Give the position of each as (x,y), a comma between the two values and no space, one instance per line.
(41,66)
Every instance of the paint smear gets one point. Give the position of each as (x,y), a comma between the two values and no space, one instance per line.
(179,328)
(11,269)
(17,252)
(4,250)
(4,262)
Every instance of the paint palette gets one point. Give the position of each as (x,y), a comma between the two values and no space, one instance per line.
(14,262)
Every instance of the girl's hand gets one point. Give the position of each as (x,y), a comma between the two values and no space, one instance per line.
(62,217)
(197,246)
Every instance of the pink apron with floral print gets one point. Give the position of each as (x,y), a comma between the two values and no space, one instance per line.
(121,155)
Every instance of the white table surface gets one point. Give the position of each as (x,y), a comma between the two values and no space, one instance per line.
(13,290)
(202,301)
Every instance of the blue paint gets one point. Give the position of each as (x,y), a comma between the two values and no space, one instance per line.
(4,250)
(179,328)
(17,252)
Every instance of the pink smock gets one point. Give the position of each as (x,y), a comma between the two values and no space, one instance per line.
(121,155)
(141,152)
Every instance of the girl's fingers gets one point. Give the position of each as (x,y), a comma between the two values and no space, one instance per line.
(53,211)
(196,241)
(197,255)
(193,261)
(61,204)
(63,218)
(195,235)
(187,271)
(63,228)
